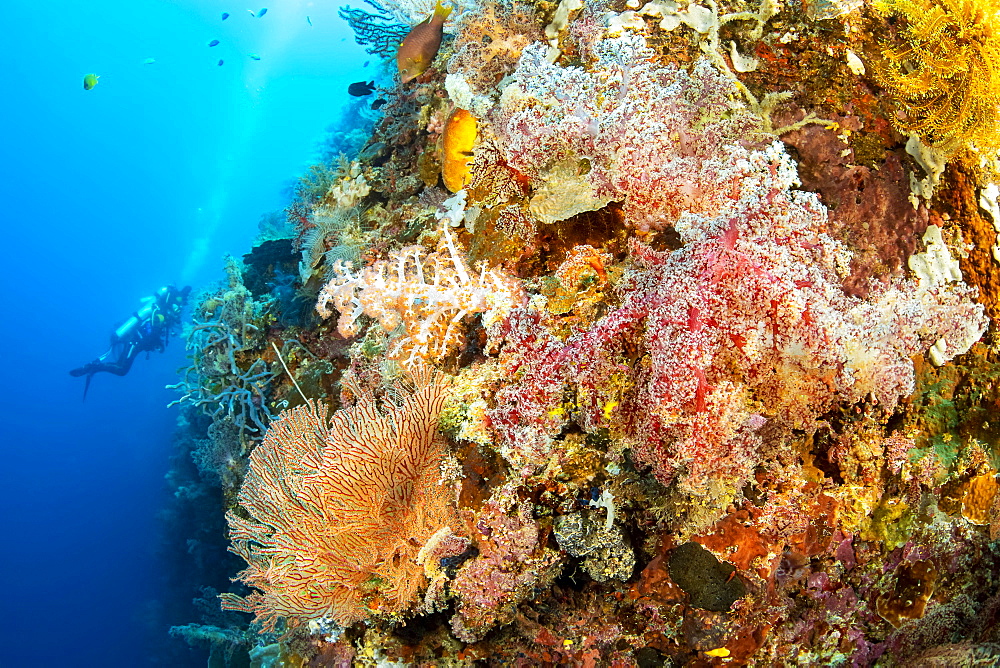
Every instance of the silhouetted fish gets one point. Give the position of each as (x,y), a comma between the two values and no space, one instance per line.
(262,12)
(214,42)
(220,63)
(361,88)
(225,15)
(377,104)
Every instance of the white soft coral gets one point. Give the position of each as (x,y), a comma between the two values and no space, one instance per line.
(429,295)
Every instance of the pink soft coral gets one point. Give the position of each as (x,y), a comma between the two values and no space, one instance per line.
(746,323)
(513,560)
(660,139)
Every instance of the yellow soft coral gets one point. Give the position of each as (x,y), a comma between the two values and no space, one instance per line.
(941,64)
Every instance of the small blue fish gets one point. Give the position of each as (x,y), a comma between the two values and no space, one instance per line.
(214,42)
(366,63)
(255,56)
(220,63)
(309,20)
(225,15)
(262,12)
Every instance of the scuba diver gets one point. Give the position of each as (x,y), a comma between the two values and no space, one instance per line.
(146,330)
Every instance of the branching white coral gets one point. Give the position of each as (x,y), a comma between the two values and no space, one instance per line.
(430,296)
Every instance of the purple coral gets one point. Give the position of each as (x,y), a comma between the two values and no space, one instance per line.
(512,561)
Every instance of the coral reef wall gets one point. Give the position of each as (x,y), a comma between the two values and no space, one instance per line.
(634,334)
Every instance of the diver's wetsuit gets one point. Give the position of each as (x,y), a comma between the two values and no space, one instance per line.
(148,329)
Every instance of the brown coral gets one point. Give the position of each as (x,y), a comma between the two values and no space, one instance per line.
(958,199)
(490,40)
(908,598)
(335,510)
(978,495)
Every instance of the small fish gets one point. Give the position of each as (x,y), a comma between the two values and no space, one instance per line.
(225,15)
(309,20)
(89,81)
(255,56)
(214,42)
(377,104)
(251,12)
(361,88)
(366,63)
(220,63)
(262,12)
(421,44)
(149,61)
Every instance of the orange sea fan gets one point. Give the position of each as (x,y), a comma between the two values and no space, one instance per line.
(335,508)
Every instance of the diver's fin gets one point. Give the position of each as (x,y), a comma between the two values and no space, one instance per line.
(87,370)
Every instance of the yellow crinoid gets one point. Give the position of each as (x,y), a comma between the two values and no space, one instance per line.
(940,61)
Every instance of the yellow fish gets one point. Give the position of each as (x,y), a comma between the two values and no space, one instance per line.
(421,44)
(457,141)
(89,81)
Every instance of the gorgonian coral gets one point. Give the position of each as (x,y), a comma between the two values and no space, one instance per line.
(335,509)
(941,64)
(660,139)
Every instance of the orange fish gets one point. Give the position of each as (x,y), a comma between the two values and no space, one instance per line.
(421,44)
(458,138)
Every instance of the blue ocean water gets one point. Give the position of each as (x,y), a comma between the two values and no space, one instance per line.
(106,195)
